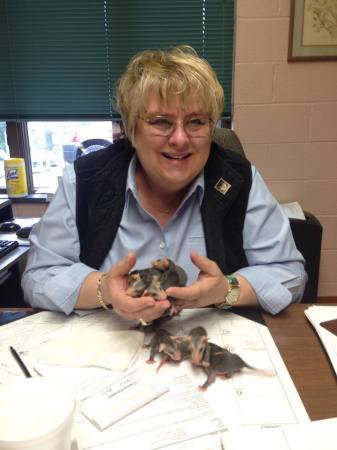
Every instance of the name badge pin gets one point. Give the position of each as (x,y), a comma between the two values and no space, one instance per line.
(222,186)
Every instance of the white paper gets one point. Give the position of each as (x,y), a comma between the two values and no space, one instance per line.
(318,314)
(250,399)
(174,421)
(30,334)
(293,210)
(122,396)
(317,435)
(110,349)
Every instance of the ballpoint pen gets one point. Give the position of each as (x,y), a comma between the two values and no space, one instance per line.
(221,443)
(20,362)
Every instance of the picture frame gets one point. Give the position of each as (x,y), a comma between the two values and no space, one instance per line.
(313,30)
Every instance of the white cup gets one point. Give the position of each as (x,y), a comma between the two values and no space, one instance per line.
(36,414)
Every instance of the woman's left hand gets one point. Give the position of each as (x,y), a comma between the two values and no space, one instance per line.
(211,285)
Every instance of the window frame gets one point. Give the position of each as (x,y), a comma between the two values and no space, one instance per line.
(18,145)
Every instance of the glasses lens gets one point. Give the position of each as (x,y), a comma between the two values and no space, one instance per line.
(194,126)
(197,125)
(162,124)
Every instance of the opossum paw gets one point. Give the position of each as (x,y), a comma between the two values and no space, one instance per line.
(150,361)
(202,388)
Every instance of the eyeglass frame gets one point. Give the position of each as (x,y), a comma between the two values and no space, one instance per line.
(174,124)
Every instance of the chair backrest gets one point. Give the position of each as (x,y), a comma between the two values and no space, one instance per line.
(102,142)
(91,145)
(228,139)
(307,233)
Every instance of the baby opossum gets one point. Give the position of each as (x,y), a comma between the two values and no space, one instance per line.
(154,281)
(163,342)
(215,360)
(171,348)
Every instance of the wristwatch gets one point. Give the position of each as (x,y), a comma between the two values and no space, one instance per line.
(232,293)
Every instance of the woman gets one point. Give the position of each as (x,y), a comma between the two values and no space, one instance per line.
(165,190)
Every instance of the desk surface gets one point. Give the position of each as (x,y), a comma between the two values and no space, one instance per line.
(306,360)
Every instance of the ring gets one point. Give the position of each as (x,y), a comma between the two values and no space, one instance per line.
(144,323)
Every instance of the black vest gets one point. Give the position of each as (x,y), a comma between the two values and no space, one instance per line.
(100,196)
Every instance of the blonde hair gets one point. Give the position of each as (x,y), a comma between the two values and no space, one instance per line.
(179,71)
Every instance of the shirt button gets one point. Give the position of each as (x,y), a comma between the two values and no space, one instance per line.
(162,245)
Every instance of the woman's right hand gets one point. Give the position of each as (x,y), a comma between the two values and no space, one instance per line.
(114,286)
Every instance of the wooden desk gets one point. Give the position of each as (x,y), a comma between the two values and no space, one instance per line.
(306,361)
(305,358)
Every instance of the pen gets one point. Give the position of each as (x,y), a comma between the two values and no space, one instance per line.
(20,362)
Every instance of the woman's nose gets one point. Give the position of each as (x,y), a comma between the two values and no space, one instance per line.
(179,135)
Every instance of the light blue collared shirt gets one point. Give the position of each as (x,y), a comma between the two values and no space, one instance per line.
(54,274)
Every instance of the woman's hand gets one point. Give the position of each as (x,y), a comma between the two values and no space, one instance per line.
(114,285)
(211,285)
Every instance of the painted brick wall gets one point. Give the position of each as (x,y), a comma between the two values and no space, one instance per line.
(286,116)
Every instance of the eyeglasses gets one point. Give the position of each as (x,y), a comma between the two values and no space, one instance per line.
(195,126)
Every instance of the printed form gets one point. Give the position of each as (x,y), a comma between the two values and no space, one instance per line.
(173,415)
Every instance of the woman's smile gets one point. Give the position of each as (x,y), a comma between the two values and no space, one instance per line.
(177,157)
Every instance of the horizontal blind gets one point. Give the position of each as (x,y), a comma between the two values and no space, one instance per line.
(57,59)
(62,58)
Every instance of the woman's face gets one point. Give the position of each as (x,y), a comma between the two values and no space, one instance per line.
(174,147)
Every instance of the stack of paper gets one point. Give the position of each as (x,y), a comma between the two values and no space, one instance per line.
(293,210)
(324,320)
(317,435)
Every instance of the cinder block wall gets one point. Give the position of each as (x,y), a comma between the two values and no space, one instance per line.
(286,116)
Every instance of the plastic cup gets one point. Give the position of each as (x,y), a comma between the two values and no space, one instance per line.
(36,414)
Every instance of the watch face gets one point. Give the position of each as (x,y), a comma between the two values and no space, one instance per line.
(232,296)
(233,292)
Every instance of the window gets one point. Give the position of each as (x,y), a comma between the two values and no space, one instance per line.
(60,61)
(56,144)
(4,153)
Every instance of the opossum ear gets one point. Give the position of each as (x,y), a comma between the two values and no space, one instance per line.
(178,338)
(161,347)
(205,339)
(166,262)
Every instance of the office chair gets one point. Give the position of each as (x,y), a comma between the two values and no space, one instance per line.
(307,233)
(91,145)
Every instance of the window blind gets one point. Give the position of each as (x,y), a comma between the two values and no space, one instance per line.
(61,60)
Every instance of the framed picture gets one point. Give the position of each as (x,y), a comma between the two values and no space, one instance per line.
(313,30)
